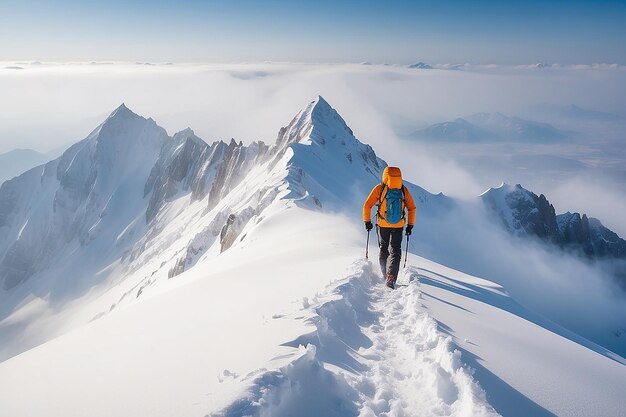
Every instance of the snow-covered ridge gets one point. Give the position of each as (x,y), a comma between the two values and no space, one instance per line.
(108,176)
(523,213)
(131,205)
(187,163)
(349,168)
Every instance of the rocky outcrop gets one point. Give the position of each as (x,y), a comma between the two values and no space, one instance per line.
(187,163)
(605,242)
(542,221)
(236,161)
(574,230)
(523,213)
(179,165)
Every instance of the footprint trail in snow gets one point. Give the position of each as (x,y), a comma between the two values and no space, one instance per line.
(375,352)
(411,365)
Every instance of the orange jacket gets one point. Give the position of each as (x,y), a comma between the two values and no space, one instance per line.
(374,198)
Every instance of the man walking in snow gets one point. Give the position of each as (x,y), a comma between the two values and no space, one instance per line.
(391,199)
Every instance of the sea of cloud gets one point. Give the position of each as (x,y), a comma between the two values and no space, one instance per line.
(49,106)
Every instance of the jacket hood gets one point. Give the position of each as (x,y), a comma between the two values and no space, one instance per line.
(392,177)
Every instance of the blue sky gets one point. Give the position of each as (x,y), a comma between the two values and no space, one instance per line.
(322,31)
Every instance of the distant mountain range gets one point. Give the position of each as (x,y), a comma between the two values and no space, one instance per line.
(420,65)
(423,65)
(17,161)
(490,127)
(523,213)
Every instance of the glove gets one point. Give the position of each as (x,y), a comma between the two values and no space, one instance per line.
(369,226)
(409,229)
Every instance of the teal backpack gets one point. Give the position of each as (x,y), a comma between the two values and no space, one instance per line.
(395,204)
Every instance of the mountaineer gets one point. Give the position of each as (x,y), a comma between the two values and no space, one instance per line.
(391,198)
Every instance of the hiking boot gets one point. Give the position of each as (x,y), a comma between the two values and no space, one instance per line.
(391,281)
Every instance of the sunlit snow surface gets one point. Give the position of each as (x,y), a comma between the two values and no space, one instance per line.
(291,320)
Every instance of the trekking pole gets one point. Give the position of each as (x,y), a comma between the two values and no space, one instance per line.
(367,244)
(406,252)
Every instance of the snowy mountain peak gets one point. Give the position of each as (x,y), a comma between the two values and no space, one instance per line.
(420,65)
(185,132)
(324,117)
(503,188)
(327,162)
(317,123)
(320,103)
(522,211)
(122,130)
(319,111)
(122,112)
(79,196)
(187,135)
(126,128)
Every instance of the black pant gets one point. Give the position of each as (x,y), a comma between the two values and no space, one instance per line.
(390,237)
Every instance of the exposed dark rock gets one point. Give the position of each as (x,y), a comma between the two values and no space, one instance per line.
(525,214)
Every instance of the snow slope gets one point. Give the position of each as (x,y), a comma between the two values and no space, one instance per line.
(370,351)
(290,320)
